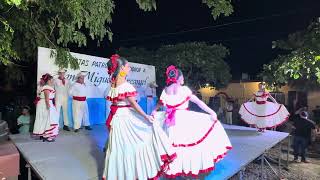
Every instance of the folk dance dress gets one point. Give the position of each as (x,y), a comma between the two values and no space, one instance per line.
(136,148)
(262,113)
(46,123)
(199,140)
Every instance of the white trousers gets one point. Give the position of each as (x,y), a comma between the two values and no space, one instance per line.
(62,102)
(80,114)
(229,117)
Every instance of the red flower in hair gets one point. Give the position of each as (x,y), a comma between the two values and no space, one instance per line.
(114,65)
(172,74)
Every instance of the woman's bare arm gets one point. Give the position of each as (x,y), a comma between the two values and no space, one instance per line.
(46,96)
(136,107)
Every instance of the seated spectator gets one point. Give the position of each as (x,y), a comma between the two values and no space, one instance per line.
(24,120)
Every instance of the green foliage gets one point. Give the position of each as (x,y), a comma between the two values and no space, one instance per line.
(219,7)
(200,62)
(59,24)
(13,2)
(301,65)
(6,51)
(147,5)
(64,59)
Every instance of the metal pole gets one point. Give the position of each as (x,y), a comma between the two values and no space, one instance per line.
(288,150)
(280,156)
(29,171)
(262,165)
(275,172)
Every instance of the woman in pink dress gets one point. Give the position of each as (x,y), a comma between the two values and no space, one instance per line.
(262,114)
(137,147)
(199,139)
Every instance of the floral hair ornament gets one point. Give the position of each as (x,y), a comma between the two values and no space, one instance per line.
(114,65)
(172,74)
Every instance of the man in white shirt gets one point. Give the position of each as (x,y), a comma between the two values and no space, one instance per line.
(61,85)
(80,111)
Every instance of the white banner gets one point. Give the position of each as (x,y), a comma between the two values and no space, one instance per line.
(97,78)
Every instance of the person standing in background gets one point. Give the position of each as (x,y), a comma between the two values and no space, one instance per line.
(61,86)
(229,110)
(302,133)
(80,111)
(151,94)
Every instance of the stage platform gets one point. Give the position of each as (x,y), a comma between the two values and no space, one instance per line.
(79,156)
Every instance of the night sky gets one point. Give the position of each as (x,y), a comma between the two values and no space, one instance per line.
(248,32)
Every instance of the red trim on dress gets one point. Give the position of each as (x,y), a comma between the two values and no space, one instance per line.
(166,159)
(122,96)
(199,141)
(50,90)
(46,131)
(202,171)
(280,123)
(263,115)
(261,102)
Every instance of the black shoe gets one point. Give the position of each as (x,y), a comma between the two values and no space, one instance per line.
(66,128)
(76,130)
(88,128)
(48,140)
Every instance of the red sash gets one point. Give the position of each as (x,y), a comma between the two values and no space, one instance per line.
(113,110)
(261,102)
(79,98)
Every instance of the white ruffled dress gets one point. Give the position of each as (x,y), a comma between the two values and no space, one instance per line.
(262,113)
(136,148)
(199,141)
(47,120)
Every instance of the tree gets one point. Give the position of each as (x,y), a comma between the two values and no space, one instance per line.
(200,62)
(301,64)
(27,24)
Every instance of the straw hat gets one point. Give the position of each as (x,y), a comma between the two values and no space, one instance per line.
(62,70)
(82,73)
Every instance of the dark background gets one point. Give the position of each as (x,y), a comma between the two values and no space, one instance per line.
(248,32)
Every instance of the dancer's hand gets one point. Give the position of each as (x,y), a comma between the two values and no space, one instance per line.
(149,118)
(214,116)
(153,113)
(48,106)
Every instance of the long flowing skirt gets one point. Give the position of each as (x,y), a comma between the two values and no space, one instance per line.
(199,141)
(268,115)
(46,122)
(136,148)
